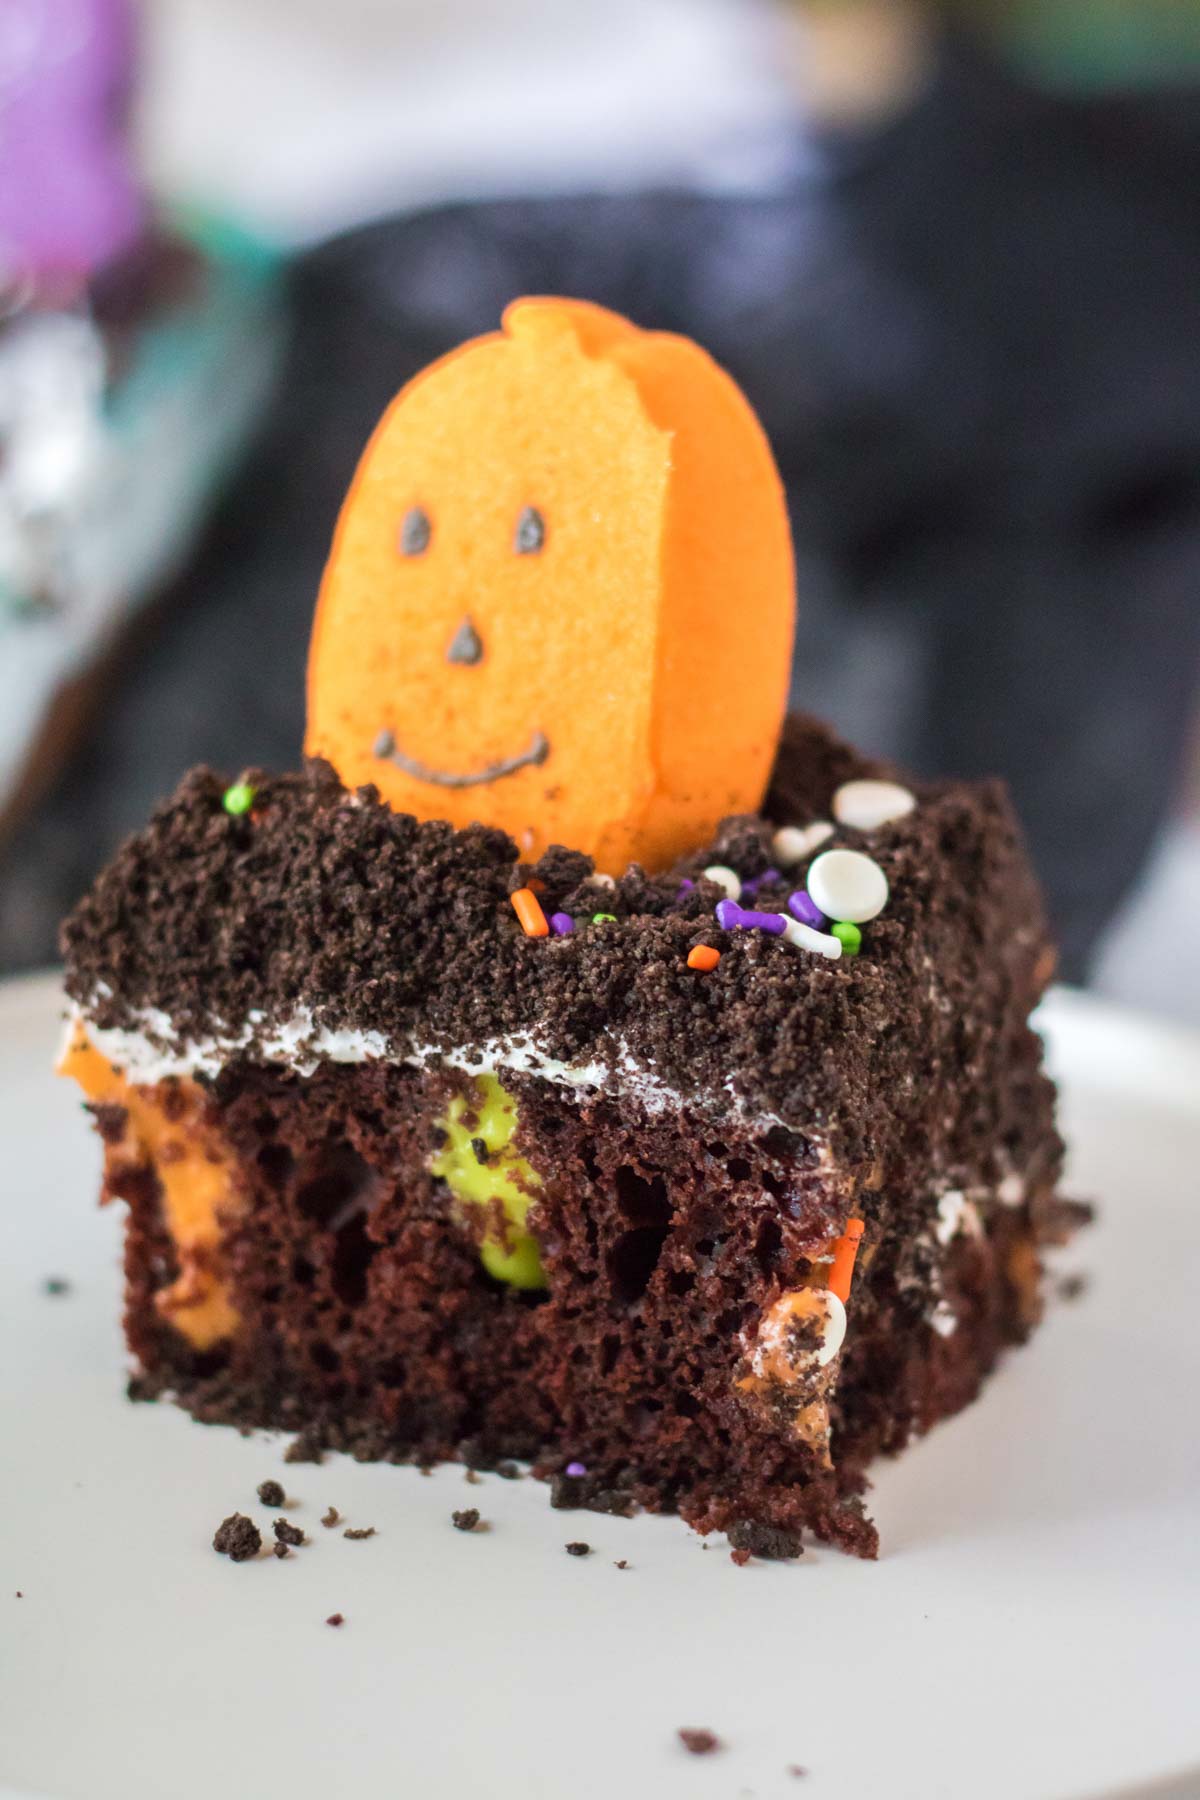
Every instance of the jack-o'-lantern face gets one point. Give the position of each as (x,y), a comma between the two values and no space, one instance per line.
(560,594)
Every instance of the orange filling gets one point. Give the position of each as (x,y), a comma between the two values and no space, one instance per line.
(165,1129)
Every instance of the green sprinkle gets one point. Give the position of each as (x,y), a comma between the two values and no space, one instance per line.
(848,936)
(238,799)
(604,918)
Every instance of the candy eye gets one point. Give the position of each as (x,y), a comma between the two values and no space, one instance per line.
(415,532)
(530,533)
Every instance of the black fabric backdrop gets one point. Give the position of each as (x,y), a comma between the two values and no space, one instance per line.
(975,344)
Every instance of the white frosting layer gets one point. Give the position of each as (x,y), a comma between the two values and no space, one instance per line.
(152,1052)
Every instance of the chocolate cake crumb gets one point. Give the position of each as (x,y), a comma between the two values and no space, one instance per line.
(581,1493)
(466,1520)
(304,1449)
(330,1518)
(508,1471)
(578,1548)
(471,1477)
(481,1151)
(1073,1287)
(768,1541)
(287,1533)
(699,1743)
(796,1770)
(281,1550)
(56,1286)
(621,1565)
(363,1531)
(238,1538)
(271,1493)
(336,1619)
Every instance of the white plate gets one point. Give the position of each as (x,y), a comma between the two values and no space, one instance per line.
(1029,1634)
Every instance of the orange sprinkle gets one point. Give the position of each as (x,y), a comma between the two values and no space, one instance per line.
(703,957)
(528,909)
(844,1253)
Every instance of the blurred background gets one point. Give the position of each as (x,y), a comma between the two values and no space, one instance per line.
(950,250)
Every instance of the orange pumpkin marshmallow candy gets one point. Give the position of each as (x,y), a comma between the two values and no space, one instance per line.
(560,594)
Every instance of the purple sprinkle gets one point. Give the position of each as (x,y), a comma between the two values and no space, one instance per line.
(731,915)
(752,887)
(775,923)
(576,1469)
(685,887)
(562,924)
(806,910)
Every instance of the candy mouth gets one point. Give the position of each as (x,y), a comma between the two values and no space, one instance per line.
(386,748)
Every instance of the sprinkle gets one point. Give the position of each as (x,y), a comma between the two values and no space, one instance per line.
(805,938)
(806,910)
(599,880)
(528,909)
(731,916)
(845,884)
(704,958)
(725,878)
(562,924)
(792,843)
(866,805)
(848,936)
(238,799)
(686,886)
(844,1253)
(752,886)
(604,918)
(575,1469)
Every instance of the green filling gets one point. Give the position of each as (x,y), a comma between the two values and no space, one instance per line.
(511,1255)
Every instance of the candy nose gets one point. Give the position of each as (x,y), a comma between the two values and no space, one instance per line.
(466,646)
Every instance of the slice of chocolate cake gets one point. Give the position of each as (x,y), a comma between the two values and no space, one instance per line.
(413,1180)
(697,1162)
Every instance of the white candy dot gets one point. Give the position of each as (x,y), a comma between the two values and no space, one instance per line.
(866,805)
(725,878)
(847,885)
(834,1335)
(805,938)
(792,843)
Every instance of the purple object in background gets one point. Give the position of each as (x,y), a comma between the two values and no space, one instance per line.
(561,924)
(69,199)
